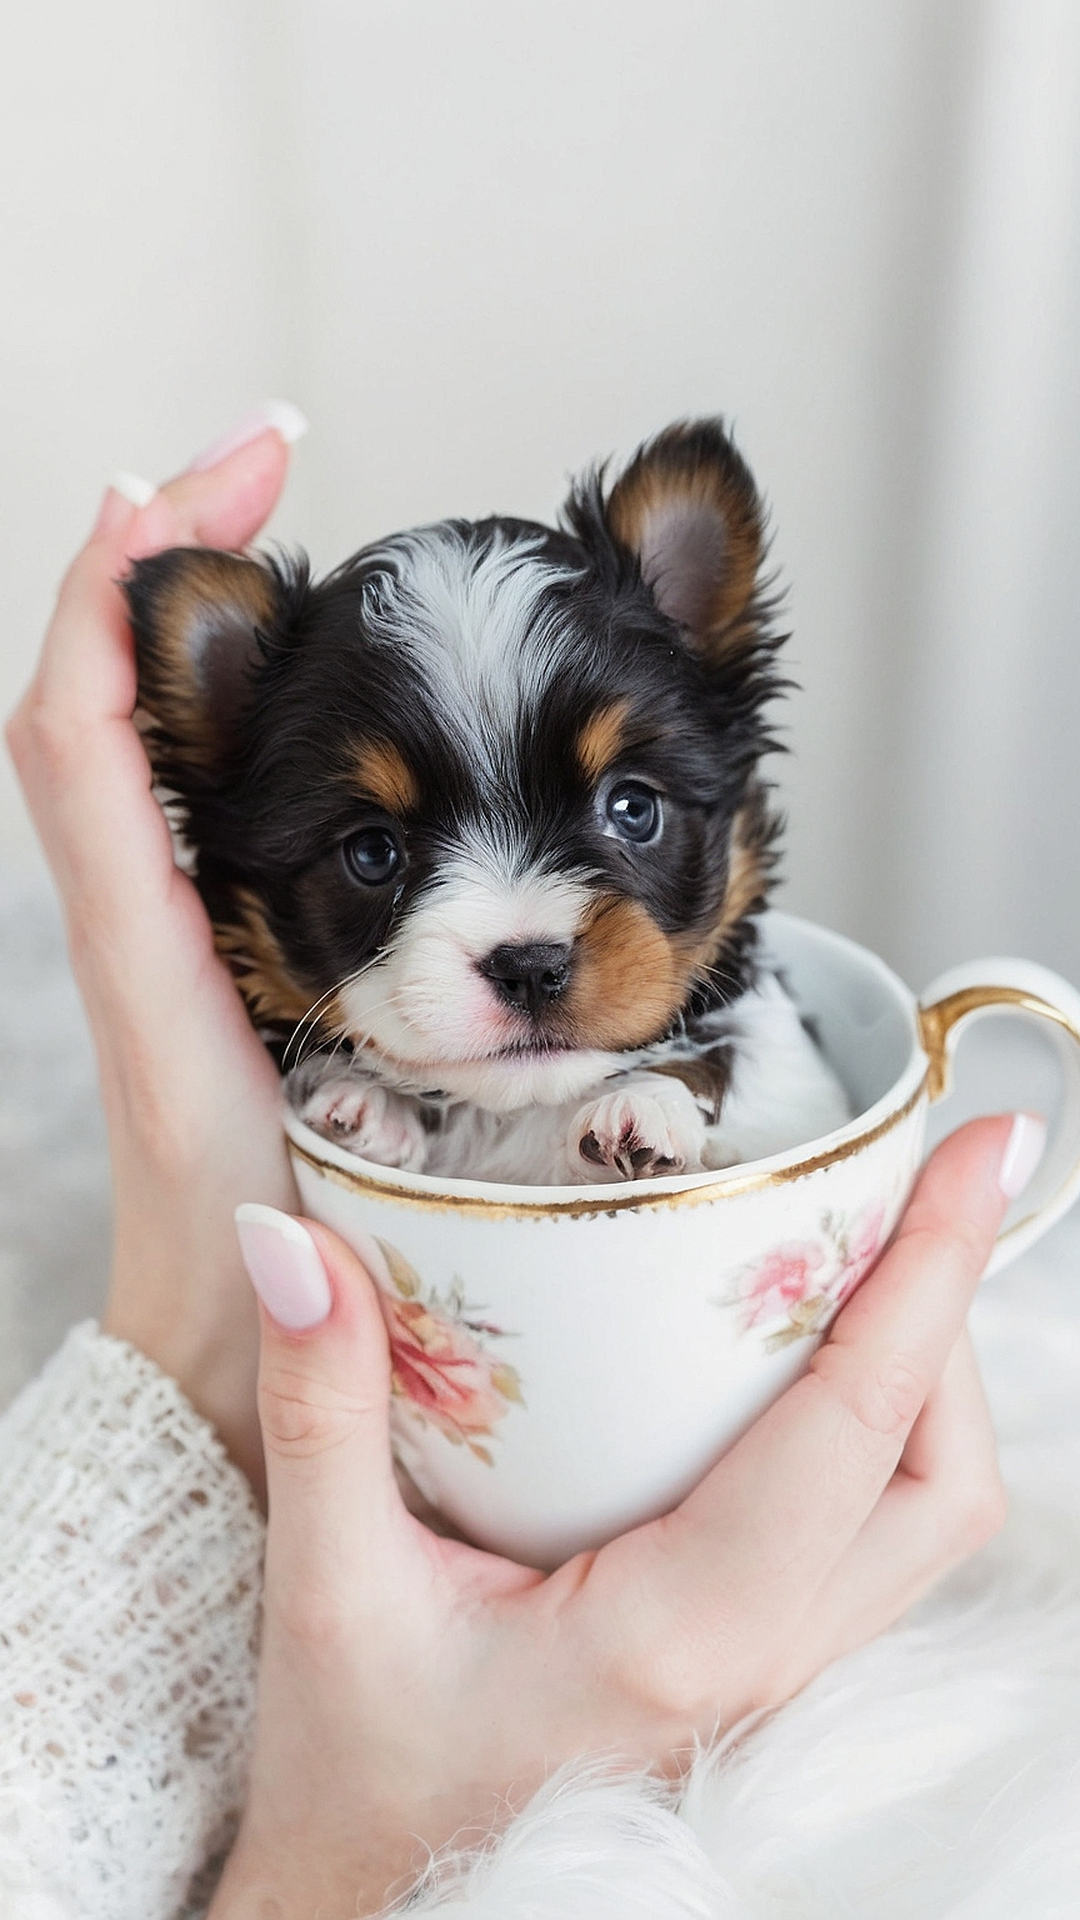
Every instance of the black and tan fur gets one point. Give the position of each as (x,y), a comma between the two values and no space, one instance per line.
(467,700)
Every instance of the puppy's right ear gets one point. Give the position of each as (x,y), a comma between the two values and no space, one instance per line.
(199,618)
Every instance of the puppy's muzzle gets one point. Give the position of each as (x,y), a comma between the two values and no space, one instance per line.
(528,978)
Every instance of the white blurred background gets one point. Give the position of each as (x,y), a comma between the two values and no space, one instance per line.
(482,242)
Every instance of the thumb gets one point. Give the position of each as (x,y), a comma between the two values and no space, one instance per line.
(324,1396)
(219,506)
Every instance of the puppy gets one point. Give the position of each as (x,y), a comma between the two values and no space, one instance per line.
(481,830)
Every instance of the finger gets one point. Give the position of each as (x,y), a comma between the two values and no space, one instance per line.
(87,663)
(220,506)
(84,770)
(786,1502)
(86,668)
(842,1427)
(324,1395)
(945,1501)
(223,504)
(954,1433)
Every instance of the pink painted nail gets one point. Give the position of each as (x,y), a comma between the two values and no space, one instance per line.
(1023,1151)
(280,416)
(284,1267)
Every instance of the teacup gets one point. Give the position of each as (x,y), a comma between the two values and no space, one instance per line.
(569,1361)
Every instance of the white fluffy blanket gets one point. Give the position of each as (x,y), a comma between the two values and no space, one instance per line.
(936,1773)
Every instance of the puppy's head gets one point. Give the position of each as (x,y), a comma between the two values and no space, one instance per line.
(486,798)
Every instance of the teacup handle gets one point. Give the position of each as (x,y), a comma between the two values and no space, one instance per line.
(967,993)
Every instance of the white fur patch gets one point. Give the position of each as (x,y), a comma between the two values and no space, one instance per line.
(590,1845)
(519,1125)
(472,624)
(781,1081)
(426,1006)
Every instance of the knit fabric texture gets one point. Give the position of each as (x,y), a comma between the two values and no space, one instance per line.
(130,1571)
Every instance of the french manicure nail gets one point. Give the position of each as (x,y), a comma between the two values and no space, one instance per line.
(286,421)
(284,1267)
(133,488)
(1023,1151)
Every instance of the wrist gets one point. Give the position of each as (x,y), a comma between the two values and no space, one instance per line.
(213,1358)
(178,1289)
(292,1882)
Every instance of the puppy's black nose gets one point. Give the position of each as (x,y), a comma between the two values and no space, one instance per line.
(528,977)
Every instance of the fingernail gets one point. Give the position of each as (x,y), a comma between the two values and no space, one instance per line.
(286,421)
(284,1267)
(1023,1151)
(133,488)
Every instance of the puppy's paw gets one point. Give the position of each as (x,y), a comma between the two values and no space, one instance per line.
(637,1134)
(369,1120)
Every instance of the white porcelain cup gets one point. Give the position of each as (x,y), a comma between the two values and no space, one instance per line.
(568,1361)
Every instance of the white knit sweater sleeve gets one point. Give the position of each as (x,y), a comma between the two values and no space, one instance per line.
(130,1569)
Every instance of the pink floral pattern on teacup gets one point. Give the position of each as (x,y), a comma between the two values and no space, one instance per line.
(797,1288)
(439,1364)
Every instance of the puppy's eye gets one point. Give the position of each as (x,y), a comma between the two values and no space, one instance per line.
(372,856)
(634,811)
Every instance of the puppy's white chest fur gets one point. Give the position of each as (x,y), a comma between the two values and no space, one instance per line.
(644,1122)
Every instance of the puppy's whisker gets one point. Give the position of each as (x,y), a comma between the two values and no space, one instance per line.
(305,1028)
(357,1038)
(721,977)
(309,1019)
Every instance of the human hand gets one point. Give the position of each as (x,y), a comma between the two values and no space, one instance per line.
(191,1098)
(412,1686)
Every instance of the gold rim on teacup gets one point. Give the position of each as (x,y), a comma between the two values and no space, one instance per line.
(929,1073)
(585,1200)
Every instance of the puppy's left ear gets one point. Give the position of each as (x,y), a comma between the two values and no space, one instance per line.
(688,508)
(200,618)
